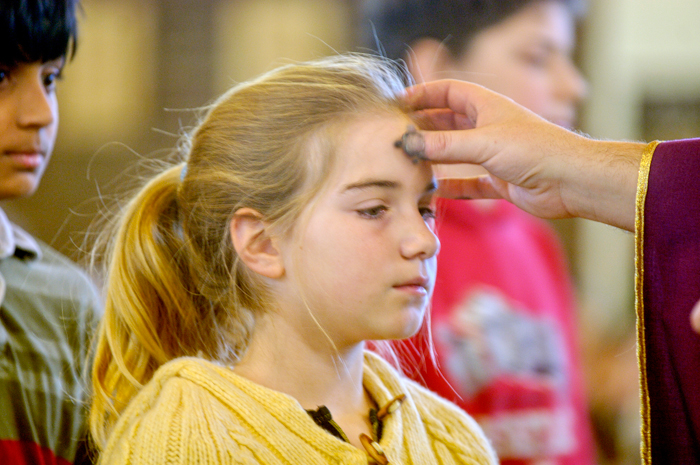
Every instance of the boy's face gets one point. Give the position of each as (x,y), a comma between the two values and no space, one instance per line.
(28,124)
(527,57)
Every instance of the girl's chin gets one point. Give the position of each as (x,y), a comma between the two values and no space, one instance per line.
(408,327)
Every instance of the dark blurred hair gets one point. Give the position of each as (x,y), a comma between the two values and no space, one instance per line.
(392,25)
(37,30)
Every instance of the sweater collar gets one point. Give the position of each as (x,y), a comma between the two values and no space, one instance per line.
(273,408)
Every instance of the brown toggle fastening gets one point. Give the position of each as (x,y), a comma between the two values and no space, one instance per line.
(374,450)
(391,407)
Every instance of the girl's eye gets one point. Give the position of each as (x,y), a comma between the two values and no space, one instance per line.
(4,75)
(373,213)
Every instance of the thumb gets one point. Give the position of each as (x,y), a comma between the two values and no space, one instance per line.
(478,187)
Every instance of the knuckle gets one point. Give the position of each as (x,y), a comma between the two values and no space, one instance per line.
(439,143)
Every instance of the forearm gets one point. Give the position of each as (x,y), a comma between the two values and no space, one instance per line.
(601,184)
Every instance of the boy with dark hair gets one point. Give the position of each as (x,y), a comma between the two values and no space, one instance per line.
(48,306)
(503,314)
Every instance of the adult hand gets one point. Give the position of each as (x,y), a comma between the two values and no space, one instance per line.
(695,318)
(542,168)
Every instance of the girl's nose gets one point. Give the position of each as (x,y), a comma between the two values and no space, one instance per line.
(419,241)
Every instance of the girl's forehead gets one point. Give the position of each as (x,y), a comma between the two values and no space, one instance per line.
(367,147)
(372,131)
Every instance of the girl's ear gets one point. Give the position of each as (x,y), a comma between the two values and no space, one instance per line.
(254,244)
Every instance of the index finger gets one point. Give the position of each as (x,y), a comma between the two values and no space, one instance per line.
(459,96)
(442,119)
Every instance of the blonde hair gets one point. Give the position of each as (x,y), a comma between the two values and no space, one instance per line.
(174,284)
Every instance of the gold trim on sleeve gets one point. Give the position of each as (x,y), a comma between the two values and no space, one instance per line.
(642,184)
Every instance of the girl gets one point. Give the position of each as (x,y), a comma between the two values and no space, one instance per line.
(243,283)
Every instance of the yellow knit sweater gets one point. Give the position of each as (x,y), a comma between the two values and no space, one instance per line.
(197,412)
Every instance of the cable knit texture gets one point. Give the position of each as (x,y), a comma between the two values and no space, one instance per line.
(197,412)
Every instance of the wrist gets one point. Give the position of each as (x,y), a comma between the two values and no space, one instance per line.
(603,184)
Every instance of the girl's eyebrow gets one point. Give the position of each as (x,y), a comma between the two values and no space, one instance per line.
(383,184)
(369,183)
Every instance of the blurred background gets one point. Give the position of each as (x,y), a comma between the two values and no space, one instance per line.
(143,65)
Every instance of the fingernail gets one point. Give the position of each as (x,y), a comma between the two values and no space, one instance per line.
(413,144)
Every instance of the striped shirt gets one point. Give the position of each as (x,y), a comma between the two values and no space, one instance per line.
(48,312)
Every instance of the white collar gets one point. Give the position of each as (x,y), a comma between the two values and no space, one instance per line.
(14,239)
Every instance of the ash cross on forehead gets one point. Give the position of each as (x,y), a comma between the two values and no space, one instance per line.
(413,144)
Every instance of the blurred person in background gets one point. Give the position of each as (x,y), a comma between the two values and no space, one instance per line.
(504,315)
(48,305)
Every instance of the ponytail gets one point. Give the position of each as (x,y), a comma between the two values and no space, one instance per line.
(153,311)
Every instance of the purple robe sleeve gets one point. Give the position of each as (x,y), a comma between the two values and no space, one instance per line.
(669,275)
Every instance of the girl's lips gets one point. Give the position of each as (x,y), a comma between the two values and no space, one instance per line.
(413,289)
(415,286)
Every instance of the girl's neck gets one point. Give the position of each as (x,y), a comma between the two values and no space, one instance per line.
(280,358)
